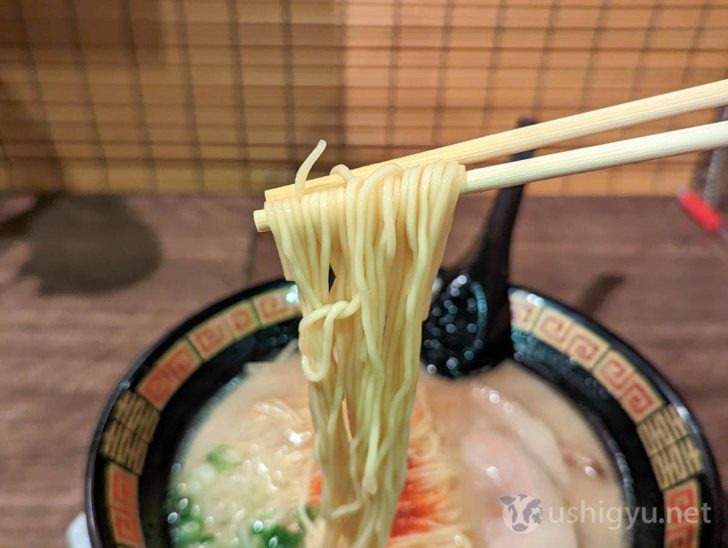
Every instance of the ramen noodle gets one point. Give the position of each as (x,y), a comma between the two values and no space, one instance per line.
(382,237)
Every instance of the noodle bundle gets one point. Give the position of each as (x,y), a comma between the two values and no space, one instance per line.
(383,238)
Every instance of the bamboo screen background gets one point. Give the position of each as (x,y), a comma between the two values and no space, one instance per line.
(229,96)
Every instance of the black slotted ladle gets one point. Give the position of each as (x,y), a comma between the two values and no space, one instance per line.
(469,325)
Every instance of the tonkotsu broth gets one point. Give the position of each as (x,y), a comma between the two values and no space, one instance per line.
(245,472)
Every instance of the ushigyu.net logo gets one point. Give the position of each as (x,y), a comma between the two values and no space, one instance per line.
(523,514)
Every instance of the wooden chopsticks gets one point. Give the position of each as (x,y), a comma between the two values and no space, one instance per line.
(580,160)
(525,138)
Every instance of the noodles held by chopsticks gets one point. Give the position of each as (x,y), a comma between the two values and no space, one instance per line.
(383,237)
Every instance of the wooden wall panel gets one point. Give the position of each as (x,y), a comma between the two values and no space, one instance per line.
(229,96)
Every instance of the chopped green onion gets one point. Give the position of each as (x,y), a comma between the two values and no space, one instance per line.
(224,458)
(193,531)
(187,529)
(276,536)
(310,511)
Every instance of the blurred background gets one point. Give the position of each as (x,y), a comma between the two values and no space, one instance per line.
(223,96)
(136,138)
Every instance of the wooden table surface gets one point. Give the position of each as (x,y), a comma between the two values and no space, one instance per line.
(87,283)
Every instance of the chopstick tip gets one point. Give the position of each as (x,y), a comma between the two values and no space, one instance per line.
(261,220)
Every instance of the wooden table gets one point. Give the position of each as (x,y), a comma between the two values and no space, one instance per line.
(87,283)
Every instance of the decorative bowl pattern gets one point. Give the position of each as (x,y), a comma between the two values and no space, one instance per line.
(657,446)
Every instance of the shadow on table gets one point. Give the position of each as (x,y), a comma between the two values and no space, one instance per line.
(597,292)
(80,245)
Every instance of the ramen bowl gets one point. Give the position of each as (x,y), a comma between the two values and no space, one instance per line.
(657,449)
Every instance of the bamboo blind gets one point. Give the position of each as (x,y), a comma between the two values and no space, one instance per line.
(229,96)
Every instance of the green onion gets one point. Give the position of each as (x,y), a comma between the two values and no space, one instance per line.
(224,458)
(193,531)
(276,536)
(186,529)
(310,511)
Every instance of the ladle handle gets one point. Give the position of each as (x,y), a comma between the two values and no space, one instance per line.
(491,265)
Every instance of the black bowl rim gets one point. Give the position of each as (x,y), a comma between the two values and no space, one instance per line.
(711,471)
(170,336)
(91,506)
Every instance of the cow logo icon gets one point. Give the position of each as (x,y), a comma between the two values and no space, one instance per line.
(522,514)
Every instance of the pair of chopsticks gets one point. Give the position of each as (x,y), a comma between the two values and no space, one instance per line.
(570,162)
